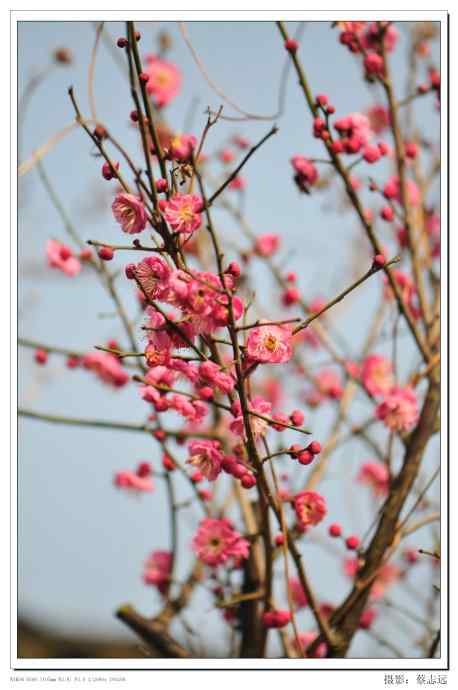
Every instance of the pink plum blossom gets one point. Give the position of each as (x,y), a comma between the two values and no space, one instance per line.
(129,212)
(310,507)
(182,212)
(377,374)
(206,456)
(164,80)
(266,245)
(216,541)
(270,344)
(399,409)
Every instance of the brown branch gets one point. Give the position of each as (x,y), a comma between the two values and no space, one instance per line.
(153,633)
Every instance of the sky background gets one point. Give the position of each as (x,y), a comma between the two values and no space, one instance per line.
(82,543)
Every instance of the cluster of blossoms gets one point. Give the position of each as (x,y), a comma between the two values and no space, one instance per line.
(107,367)
(182,212)
(216,542)
(199,302)
(368,38)
(200,297)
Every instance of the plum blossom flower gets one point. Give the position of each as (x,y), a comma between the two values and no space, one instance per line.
(216,541)
(376,476)
(310,507)
(206,456)
(377,374)
(182,212)
(270,344)
(266,245)
(399,409)
(129,212)
(60,256)
(157,570)
(153,274)
(164,80)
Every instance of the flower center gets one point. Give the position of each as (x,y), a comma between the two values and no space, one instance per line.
(270,343)
(186,214)
(162,79)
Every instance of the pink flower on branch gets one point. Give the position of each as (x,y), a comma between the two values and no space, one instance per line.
(310,507)
(377,374)
(129,212)
(216,541)
(164,80)
(182,212)
(206,456)
(269,344)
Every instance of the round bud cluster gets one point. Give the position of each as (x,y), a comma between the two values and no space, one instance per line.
(239,471)
(305,456)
